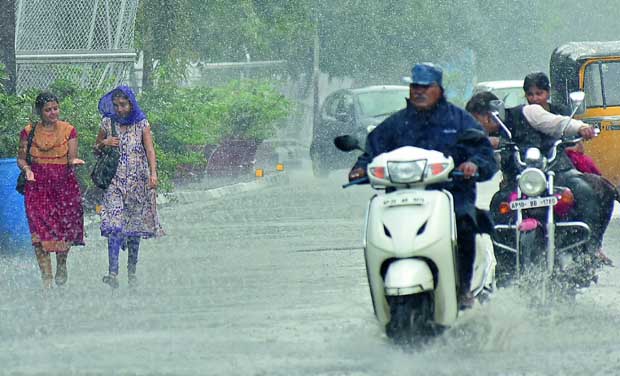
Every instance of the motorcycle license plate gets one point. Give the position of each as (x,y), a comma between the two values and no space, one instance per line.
(403,199)
(536,202)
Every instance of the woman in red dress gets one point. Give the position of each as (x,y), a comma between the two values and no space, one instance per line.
(52,194)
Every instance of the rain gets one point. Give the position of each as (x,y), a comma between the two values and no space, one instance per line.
(261,270)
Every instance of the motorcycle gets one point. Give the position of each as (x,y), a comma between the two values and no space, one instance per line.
(539,242)
(410,240)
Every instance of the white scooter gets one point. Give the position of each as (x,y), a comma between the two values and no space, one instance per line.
(410,240)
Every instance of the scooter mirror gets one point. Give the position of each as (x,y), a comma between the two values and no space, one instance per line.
(498,107)
(498,113)
(347,143)
(577,98)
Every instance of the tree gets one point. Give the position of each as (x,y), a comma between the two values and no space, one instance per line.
(163,32)
(368,40)
(173,33)
(7,44)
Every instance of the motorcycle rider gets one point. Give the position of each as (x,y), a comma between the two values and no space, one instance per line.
(479,106)
(537,88)
(539,124)
(429,121)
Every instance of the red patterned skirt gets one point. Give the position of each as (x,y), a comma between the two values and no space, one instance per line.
(54,208)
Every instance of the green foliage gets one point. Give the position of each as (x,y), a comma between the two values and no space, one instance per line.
(250,109)
(167,25)
(183,120)
(15,112)
(180,119)
(375,41)
(173,33)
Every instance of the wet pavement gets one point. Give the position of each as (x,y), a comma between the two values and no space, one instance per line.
(272,281)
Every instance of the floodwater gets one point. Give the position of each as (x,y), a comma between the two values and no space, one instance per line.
(272,282)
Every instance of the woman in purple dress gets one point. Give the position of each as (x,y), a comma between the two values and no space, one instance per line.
(129,210)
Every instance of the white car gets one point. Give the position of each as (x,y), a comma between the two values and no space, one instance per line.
(509,91)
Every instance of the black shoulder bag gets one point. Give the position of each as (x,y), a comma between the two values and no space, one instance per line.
(107,162)
(21,179)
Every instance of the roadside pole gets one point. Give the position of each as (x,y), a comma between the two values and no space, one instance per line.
(316,71)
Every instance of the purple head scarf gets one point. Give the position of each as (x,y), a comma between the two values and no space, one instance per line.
(106,107)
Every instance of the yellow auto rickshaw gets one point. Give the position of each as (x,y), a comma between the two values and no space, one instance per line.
(592,67)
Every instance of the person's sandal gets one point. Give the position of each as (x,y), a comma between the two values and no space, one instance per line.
(110,280)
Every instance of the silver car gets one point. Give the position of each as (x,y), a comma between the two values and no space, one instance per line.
(354,112)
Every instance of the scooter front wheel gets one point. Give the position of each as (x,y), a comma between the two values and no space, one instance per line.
(410,318)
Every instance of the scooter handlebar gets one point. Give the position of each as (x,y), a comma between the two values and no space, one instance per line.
(455,174)
(359,181)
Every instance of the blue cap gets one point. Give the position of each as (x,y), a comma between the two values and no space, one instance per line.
(425,74)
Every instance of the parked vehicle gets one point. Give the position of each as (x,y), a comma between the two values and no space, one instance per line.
(542,238)
(594,68)
(410,240)
(508,91)
(351,111)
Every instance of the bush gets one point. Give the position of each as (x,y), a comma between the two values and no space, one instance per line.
(250,110)
(183,120)
(15,112)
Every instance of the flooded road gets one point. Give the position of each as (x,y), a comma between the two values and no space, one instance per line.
(272,282)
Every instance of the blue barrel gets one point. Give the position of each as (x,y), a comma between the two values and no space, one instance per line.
(14,231)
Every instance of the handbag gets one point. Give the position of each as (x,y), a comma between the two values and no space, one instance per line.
(21,179)
(106,164)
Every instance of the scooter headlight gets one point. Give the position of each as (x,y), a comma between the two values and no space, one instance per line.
(406,172)
(532,182)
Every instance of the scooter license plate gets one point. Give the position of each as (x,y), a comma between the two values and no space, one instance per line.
(403,199)
(536,202)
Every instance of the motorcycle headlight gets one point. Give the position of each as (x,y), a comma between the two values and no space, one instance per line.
(406,172)
(532,182)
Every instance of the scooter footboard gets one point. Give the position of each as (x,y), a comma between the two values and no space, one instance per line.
(408,276)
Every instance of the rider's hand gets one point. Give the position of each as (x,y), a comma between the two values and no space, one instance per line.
(357,173)
(587,132)
(469,169)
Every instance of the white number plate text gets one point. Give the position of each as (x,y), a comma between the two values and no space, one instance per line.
(399,200)
(536,202)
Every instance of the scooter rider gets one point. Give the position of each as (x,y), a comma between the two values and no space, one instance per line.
(429,121)
(539,124)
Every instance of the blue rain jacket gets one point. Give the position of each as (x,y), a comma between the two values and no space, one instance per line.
(441,129)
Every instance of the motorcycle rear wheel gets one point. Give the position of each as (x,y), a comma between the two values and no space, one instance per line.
(410,318)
